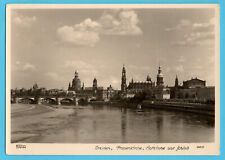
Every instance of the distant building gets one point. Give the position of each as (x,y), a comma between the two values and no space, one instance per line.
(123,81)
(35,86)
(206,94)
(70,93)
(140,86)
(194,83)
(110,92)
(174,91)
(95,92)
(193,90)
(95,84)
(42,91)
(76,83)
(158,91)
(53,92)
(159,78)
(161,93)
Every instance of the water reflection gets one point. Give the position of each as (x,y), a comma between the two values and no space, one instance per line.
(108,124)
(123,124)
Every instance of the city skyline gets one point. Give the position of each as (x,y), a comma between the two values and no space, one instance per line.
(49,45)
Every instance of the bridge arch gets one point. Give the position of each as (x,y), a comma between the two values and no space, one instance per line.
(67,101)
(50,100)
(26,100)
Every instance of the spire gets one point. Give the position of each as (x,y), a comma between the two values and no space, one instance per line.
(76,73)
(159,70)
(176,82)
(124,70)
(123,80)
(69,86)
(83,86)
(95,85)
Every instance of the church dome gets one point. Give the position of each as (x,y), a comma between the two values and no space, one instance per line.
(148,78)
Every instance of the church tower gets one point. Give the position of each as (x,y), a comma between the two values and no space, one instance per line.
(176,82)
(69,87)
(95,85)
(159,77)
(76,84)
(82,86)
(123,80)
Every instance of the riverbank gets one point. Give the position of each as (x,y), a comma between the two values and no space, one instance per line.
(205,109)
(197,108)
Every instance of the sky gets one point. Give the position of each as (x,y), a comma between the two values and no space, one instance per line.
(48,45)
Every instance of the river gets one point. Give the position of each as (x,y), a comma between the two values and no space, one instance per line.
(106,124)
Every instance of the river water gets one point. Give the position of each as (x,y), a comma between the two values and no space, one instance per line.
(107,124)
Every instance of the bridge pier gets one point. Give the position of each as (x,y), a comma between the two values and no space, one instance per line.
(58,101)
(15,99)
(38,100)
(75,101)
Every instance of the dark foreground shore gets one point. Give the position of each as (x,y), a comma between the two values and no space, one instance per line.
(205,109)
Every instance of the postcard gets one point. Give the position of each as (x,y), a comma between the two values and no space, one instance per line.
(112,79)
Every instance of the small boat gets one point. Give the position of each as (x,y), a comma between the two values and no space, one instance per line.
(139,108)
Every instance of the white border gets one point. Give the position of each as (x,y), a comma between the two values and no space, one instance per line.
(89,149)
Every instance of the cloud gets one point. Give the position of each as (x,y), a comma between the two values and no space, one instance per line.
(83,34)
(54,76)
(124,22)
(29,67)
(22,20)
(181,25)
(179,68)
(111,80)
(25,67)
(197,33)
(181,59)
(198,67)
(167,69)
(82,67)
(195,38)
(87,33)
(78,64)
(18,62)
(204,27)
(135,67)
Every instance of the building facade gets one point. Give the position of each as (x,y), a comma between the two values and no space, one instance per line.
(76,83)
(193,90)
(158,91)
(93,93)
(194,83)
(139,86)
(159,78)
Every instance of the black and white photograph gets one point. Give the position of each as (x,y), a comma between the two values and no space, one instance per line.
(112,74)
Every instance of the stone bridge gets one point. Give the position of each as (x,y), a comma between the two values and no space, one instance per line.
(50,99)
